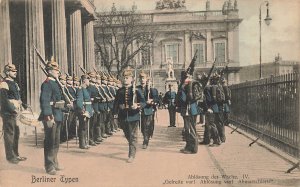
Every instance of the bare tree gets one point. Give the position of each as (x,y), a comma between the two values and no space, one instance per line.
(117,31)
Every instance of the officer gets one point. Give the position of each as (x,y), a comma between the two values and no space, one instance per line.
(126,108)
(10,107)
(84,111)
(147,112)
(95,98)
(169,99)
(189,111)
(52,104)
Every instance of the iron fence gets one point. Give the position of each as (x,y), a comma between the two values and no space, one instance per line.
(269,108)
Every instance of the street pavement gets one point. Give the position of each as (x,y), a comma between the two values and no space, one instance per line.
(233,163)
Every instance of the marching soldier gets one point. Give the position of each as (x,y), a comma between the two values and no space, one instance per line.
(189,111)
(52,104)
(126,108)
(10,107)
(95,98)
(147,112)
(84,111)
(169,99)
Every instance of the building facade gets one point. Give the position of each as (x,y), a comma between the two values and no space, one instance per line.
(275,68)
(180,32)
(59,28)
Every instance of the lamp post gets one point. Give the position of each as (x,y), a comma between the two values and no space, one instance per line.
(268,20)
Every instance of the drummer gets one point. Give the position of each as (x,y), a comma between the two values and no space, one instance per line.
(10,107)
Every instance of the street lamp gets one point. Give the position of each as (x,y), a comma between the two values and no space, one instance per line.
(268,20)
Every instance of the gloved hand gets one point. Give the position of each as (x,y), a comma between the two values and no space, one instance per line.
(50,123)
(209,110)
(134,106)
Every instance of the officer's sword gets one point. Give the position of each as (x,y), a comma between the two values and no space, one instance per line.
(88,131)
(76,130)
(67,130)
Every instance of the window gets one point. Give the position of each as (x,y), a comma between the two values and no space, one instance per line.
(172,52)
(220,52)
(100,60)
(146,56)
(200,52)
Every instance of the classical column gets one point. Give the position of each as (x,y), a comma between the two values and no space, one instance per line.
(89,47)
(5,39)
(34,26)
(187,49)
(209,57)
(76,52)
(230,45)
(59,38)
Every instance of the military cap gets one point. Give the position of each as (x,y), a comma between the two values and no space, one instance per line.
(127,72)
(69,78)
(142,74)
(92,74)
(10,67)
(85,76)
(98,76)
(63,77)
(111,79)
(52,65)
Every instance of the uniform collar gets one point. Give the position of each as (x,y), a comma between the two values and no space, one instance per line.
(51,78)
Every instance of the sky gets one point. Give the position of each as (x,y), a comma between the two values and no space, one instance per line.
(281,36)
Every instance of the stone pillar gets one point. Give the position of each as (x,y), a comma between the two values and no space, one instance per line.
(187,50)
(34,26)
(5,39)
(89,46)
(76,52)
(209,48)
(59,38)
(230,45)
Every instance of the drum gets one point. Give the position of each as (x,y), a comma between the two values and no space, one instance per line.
(28,118)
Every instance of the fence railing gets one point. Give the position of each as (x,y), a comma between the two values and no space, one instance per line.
(269,109)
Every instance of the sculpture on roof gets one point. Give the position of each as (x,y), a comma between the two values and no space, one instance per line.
(170,4)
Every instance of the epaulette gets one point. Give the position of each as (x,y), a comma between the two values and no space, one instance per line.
(4,85)
(47,80)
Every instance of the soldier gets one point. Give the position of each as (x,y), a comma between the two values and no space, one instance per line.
(219,98)
(126,108)
(154,94)
(10,108)
(189,111)
(147,112)
(95,98)
(110,86)
(169,99)
(210,109)
(84,111)
(227,101)
(110,102)
(64,126)
(72,116)
(100,129)
(52,104)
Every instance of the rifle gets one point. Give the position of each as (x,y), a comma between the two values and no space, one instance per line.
(210,73)
(66,98)
(103,98)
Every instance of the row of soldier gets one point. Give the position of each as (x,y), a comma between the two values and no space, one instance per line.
(98,102)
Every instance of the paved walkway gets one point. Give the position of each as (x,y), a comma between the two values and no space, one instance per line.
(231,164)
